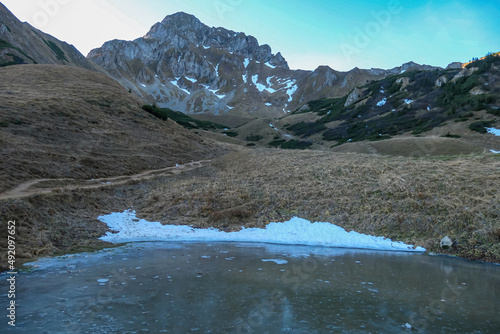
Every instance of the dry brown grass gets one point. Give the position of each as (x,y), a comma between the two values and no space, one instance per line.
(60,121)
(416,200)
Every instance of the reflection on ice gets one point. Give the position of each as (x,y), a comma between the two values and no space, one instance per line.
(264,288)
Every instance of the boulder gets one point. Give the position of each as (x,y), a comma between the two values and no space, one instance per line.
(446,242)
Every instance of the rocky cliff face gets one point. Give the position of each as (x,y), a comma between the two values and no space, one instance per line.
(20,43)
(185,65)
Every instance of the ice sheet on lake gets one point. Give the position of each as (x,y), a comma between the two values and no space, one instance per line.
(296,231)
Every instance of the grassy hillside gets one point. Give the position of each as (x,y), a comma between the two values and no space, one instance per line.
(58,121)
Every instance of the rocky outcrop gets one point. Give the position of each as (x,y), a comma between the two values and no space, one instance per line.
(441,81)
(446,242)
(353,97)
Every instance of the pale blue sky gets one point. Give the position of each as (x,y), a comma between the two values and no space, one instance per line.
(341,34)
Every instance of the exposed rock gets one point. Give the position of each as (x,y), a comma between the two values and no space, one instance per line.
(224,68)
(446,242)
(454,65)
(304,107)
(404,81)
(441,81)
(353,97)
(477,91)
(465,72)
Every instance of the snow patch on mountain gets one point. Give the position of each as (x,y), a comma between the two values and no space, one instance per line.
(176,84)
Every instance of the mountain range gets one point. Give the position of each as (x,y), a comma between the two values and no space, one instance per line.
(250,94)
(185,65)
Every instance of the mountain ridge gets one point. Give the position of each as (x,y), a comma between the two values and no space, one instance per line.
(20,43)
(183,64)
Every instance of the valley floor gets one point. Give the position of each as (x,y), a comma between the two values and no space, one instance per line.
(414,200)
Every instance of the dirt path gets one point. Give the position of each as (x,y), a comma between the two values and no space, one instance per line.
(46,186)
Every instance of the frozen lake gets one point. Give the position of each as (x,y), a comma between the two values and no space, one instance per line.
(166,287)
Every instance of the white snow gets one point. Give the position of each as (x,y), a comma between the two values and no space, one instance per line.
(191,79)
(206,47)
(277,261)
(246,62)
(291,88)
(271,66)
(407,101)
(381,102)
(260,86)
(174,82)
(296,231)
(493,151)
(268,104)
(143,85)
(215,93)
(494,131)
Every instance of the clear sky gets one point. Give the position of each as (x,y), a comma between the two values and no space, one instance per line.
(341,34)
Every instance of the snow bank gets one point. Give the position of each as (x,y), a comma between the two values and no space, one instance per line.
(494,131)
(381,102)
(296,231)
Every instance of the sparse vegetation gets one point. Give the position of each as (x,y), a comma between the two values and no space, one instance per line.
(254,138)
(57,50)
(449,135)
(480,126)
(182,119)
(153,110)
(304,129)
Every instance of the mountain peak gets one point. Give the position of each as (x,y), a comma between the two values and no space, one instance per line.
(181,19)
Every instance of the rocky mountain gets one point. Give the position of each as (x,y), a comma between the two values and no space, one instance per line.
(185,65)
(20,43)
